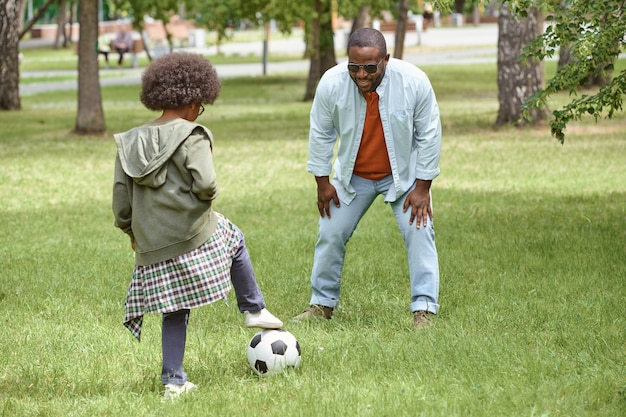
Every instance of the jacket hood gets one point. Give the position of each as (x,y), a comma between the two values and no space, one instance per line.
(144,151)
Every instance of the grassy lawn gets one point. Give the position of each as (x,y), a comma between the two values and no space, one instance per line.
(48,59)
(531,237)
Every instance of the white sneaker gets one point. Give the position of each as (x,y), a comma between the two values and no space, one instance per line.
(263,319)
(175,390)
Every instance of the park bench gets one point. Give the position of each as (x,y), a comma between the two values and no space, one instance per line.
(156,32)
(180,30)
(153,38)
(390,26)
(134,50)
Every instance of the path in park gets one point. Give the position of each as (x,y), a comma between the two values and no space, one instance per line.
(436,46)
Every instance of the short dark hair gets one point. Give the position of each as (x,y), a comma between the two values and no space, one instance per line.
(178,79)
(368,37)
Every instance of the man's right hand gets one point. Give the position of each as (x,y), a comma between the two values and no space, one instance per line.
(326,193)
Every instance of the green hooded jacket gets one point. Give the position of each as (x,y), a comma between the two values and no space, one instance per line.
(164,184)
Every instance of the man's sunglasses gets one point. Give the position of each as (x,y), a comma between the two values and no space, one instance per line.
(369,68)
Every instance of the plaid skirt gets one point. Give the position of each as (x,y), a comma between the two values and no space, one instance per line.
(193,279)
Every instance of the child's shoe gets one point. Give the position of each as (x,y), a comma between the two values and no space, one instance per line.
(175,390)
(263,319)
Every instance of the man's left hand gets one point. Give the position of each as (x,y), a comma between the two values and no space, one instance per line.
(419,201)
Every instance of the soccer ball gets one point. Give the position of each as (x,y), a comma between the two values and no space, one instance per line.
(271,351)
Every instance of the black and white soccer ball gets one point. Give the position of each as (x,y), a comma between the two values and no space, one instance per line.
(272,351)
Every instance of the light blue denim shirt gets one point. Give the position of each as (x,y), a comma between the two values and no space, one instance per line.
(410,119)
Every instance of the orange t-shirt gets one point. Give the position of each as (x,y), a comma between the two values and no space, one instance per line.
(372,160)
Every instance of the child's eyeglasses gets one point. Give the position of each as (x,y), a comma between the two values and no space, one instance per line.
(369,68)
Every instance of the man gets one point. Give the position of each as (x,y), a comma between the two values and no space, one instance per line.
(385,113)
(123,43)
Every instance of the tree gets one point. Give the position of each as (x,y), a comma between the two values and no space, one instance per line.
(594,31)
(61,25)
(314,45)
(321,47)
(594,78)
(220,16)
(517,81)
(327,38)
(459,6)
(158,9)
(11,31)
(401,23)
(40,12)
(9,54)
(317,18)
(90,117)
(361,10)
(359,20)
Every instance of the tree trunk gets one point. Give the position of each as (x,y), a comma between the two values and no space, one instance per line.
(328,58)
(61,25)
(321,46)
(476,16)
(403,16)
(359,21)
(314,56)
(9,55)
(517,81)
(90,117)
(22,13)
(314,45)
(459,5)
(565,55)
(565,49)
(72,18)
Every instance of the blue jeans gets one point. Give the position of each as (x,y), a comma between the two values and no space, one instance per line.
(334,233)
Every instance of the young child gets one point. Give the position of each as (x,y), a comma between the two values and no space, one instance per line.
(186,254)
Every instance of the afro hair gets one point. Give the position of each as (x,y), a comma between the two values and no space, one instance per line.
(176,80)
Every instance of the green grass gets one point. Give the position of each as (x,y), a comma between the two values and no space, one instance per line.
(531,237)
(49,59)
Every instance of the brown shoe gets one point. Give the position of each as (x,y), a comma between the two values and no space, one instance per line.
(423,319)
(313,312)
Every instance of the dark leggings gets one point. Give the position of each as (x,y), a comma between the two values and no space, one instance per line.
(174,327)
(173,339)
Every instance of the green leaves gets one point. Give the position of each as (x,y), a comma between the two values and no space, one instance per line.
(594,33)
